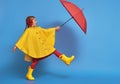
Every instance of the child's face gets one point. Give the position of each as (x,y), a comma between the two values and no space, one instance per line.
(34,22)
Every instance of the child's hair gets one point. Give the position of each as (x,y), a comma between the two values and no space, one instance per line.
(29,21)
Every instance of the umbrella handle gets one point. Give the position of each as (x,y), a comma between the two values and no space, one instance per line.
(66,22)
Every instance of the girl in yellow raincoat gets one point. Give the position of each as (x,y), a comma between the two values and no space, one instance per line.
(38,43)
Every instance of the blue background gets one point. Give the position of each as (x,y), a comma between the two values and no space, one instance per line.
(97,54)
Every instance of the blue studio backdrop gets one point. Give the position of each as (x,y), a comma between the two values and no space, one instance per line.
(97,53)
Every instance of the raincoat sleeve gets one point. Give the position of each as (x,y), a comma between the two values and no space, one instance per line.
(20,43)
(48,31)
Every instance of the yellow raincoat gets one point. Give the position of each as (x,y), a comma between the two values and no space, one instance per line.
(37,42)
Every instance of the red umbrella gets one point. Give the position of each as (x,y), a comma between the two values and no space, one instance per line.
(76,14)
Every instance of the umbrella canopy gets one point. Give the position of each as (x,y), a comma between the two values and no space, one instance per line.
(76,14)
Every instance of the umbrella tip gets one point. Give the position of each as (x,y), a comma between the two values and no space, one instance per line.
(84,30)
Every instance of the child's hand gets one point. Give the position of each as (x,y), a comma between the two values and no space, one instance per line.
(57,28)
(14,49)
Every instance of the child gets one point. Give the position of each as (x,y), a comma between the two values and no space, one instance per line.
(38,43)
